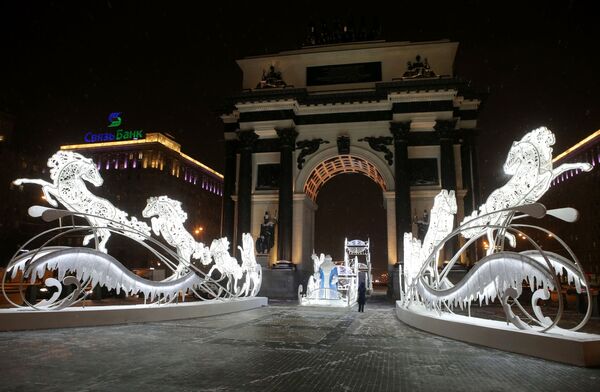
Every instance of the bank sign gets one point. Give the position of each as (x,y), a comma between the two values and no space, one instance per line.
(114,135)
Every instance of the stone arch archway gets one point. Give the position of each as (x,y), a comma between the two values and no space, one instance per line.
(361,161)
(319,169)
(340,164)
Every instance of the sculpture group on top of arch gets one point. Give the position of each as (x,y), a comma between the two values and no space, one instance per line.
(501,273)
(206,272)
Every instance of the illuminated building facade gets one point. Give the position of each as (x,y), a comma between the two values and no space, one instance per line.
(154,165)
(581,191)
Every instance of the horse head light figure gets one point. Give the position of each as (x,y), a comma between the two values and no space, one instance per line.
(69,172)
(89,172)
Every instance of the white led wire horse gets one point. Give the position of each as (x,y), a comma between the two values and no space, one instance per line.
(167,221)
(69,172)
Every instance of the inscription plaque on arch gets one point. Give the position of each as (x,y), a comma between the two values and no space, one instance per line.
(343,73)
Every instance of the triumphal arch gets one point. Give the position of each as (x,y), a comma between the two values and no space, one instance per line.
(392,111)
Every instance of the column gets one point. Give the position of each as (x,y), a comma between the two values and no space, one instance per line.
(287,141)
(303,232)
(466,154)
(228,190)
(469,170)
(389,202)
(247,140)
(445,131)
(400,132)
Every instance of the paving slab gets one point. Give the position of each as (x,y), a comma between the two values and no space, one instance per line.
(283,347)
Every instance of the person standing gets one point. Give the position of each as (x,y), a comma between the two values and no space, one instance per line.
(362,297)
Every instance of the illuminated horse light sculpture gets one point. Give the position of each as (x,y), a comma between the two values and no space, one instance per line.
(167,220)
(69,171)
(442,222)
(500,274)
(529,162)
(226,264)
(252,269)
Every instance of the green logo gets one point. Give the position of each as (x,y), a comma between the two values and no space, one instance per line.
(114,119)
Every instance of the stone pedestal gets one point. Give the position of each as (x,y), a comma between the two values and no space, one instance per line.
(263,260)
(279,284)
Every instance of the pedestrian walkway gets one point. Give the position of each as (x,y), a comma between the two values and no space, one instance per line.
(282,347)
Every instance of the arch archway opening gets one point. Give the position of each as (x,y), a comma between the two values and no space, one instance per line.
(348,190)
(350,205)
(340,164)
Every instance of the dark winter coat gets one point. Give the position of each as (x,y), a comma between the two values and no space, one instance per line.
(362,294)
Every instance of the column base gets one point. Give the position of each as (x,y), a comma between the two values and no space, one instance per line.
(283,264)
(394,281)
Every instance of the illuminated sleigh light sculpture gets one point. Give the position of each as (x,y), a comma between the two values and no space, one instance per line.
(429,298)
(85,267)
(500,275)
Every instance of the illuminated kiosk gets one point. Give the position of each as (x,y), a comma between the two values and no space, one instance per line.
(430,299)
(215,279)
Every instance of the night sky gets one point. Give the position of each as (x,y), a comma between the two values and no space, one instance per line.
(65,65)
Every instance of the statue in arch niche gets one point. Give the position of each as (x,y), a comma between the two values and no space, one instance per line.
(266,239)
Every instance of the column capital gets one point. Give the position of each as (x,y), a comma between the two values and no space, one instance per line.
(287,137)
(445,128)
(247,139)
(400,130)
